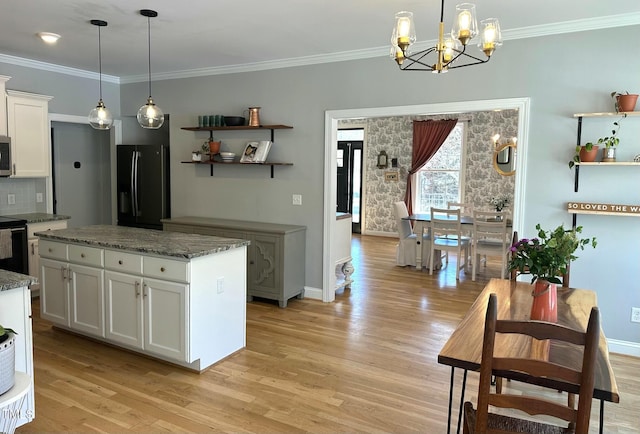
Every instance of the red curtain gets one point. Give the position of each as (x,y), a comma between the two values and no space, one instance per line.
(428,136)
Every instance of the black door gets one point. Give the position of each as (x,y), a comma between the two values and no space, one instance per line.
(349,181)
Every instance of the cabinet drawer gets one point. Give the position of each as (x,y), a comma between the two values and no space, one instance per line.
(124,262)
(52,249)
(32,228)
(86,255)
(166,269)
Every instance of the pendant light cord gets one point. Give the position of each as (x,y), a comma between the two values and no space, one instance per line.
(100,60)
(442,12)
(149,51)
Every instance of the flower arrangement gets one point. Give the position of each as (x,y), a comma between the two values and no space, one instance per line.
(499,202)
(548,256)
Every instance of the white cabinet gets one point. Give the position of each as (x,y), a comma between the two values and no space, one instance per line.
(74,282)
(147,313)
(34,248)
(3,104)
(28,127)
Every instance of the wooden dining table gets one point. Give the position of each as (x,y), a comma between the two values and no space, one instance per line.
(463,349)
(421,226)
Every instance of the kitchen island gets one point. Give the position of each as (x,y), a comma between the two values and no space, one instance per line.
(177,297)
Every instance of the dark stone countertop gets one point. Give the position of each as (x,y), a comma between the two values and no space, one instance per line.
(10,280)
(149,241)
(39,217)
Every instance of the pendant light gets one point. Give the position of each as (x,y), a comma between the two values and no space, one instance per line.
(100,117)
(150,116)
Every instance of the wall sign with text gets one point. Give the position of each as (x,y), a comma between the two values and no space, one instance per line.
(603,208)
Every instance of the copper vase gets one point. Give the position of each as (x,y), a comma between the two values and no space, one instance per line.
(545,301)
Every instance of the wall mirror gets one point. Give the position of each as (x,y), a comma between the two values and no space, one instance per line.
(504,159)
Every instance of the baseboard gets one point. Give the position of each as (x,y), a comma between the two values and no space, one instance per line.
(313,293)
(381,234)
(624,347)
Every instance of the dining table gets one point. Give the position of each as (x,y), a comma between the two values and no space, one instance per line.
(421,222)
(463,350)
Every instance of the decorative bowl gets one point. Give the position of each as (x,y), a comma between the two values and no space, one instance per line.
(227,154)
(233,121)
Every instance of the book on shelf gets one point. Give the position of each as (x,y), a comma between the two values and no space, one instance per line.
(256,152)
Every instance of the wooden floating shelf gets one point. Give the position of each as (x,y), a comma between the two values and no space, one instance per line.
(609,163)
(239,127)
(576,211)
(211,163)
(605,115)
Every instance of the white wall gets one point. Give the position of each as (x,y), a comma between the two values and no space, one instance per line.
(562,75)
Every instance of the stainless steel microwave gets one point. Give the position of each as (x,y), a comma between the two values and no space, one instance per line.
(5,156)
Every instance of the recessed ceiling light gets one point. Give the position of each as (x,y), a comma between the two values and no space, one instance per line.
(49,38)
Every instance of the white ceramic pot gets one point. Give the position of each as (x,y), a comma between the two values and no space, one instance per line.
(7,364)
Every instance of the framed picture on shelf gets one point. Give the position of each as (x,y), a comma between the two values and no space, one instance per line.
(256,152)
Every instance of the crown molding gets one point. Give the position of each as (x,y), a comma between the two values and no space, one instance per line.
(605,22)
(52,67)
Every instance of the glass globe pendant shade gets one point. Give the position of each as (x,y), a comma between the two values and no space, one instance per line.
(100,117)
(150,116)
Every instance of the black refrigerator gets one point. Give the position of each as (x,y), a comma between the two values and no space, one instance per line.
(143,185)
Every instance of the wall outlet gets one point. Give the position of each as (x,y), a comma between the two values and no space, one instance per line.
(297,199)
(220,285)
(38,197)
(635,314)
(11,199)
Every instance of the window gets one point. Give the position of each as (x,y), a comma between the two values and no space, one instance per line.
(439,181)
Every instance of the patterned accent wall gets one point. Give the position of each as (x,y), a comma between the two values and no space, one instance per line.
(394,135)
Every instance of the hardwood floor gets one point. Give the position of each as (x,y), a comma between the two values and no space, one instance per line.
(365,363)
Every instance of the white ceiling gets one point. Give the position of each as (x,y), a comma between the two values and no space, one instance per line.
(198,37)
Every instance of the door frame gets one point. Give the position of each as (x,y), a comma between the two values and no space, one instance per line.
(330,176)
(115,137)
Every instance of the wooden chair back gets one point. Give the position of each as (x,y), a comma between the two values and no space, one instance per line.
(514,273)
(583,378)
(466,209)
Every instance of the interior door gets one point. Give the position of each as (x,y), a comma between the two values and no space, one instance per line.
(349,181)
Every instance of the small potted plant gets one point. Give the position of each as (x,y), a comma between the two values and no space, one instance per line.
(546,258)
(588,152)
(624,102)
(499,202)
(196,155)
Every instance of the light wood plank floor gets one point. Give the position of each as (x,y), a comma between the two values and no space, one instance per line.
(366,363)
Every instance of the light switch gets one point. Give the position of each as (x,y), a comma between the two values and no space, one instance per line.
(38,197)
(11,199)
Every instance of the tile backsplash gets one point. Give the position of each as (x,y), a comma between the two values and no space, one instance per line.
(24,192)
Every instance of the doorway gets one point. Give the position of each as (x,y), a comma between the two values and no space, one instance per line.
(349,177)
(81,171)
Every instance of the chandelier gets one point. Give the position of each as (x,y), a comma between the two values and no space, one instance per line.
(450,52)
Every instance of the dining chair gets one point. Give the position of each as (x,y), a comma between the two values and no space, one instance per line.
(406,248)
(446,235)
(490,237)
(466,209)
(578,380)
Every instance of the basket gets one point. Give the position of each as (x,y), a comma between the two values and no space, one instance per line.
(7,364)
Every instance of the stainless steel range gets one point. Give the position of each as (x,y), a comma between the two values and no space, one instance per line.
(13,245)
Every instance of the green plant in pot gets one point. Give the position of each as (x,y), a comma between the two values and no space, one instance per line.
(5,333)
(546,258)
(588,152)
(624,102)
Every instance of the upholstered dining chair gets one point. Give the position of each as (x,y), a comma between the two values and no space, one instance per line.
(582,379)
(490,237)
(446,235)
(406,248)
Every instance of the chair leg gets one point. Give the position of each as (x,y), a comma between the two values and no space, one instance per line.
(498,385)
(431,255)
(473,266)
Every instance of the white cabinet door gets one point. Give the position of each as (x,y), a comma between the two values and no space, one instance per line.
(123,295)
(166,316)
(54,304)
(34,263)
(86,295)
(28,127)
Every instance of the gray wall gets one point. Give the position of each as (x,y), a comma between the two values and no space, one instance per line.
(561,74)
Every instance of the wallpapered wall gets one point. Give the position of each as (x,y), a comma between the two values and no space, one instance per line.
(394,135)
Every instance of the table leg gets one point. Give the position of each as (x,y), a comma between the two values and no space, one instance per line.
(450,400)
(464,385)
(601,416)
(418,229)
